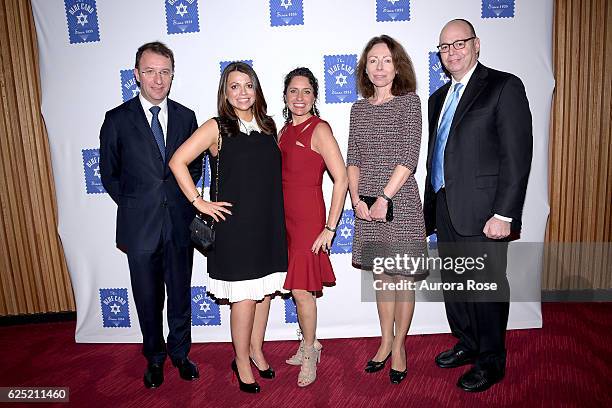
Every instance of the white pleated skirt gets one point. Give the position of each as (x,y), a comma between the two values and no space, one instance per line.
(252,289)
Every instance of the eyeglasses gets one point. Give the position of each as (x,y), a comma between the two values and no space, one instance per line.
(164,73)
(459,44)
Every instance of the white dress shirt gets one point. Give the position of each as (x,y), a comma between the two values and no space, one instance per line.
(162,115)
(464,81)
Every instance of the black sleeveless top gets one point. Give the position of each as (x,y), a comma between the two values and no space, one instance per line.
(250,243)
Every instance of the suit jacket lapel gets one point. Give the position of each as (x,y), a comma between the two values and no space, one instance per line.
(172,129)
(474,87)
(142,124)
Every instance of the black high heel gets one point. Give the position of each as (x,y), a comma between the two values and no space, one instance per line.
(252,388)
(397,377)
(267,373)
(374,366)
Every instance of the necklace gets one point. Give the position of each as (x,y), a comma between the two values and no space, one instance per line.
(249,126)
(374,101)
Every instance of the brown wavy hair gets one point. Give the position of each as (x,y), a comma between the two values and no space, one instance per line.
(405,78)
(226,110)
(304,72)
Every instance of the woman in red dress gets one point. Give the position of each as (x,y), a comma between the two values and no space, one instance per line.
(308,148)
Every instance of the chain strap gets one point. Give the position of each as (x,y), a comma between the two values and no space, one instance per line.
(219,141)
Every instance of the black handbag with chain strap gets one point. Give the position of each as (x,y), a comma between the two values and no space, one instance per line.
(203,226)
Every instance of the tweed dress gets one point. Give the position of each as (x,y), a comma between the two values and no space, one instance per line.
(380,138)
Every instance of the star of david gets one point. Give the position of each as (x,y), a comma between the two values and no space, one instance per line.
(443,77)
(341,79)
(82,19)
(204,306)
(393,1)
(97,171)
(115,308)
(286,4)
(181,9)
(134,92)
(345,232)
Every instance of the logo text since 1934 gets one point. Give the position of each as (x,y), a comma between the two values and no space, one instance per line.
(340,85)
(115,307)
(286,13)
(182,16)
(497,9)
(82,19)
(204,310)
(392,10)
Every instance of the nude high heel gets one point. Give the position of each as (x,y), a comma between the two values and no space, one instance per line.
(308,372)
(296,359)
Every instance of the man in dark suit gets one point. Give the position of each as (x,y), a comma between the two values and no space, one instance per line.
(478,163)
(137,140)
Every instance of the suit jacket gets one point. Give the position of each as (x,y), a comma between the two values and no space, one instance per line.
(488,152)
(139,180)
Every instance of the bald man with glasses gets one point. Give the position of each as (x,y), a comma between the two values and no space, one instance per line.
(478,164)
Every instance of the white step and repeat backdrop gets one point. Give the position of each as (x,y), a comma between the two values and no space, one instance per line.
(87,50)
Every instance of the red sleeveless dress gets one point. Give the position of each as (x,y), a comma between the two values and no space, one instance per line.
(303,170)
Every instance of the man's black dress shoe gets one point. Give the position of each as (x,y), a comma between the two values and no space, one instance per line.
(397,377)
(478,380)
(154,376)
(187,369)
(454,358)
(374,366)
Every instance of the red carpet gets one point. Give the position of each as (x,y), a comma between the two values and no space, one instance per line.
(567,363)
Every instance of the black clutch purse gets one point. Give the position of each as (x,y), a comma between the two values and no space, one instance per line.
(371,200)
(202,232)
(203,226)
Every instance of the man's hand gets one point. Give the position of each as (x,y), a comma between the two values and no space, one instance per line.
(496,228)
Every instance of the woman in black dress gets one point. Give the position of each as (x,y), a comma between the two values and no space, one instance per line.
(249,260)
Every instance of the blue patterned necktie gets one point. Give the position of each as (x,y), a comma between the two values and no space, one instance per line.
(437,178)
(158,132)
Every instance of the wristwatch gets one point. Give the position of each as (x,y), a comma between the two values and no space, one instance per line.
(383,195)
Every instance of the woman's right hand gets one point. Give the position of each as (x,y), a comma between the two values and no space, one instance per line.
(361,211)
(213,208)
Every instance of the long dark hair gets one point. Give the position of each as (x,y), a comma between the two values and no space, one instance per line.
(405,79)
(226,110)
(306,73)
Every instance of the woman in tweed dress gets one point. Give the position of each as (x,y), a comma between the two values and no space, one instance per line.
(384,144)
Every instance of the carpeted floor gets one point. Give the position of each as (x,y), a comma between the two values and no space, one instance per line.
(567,363)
